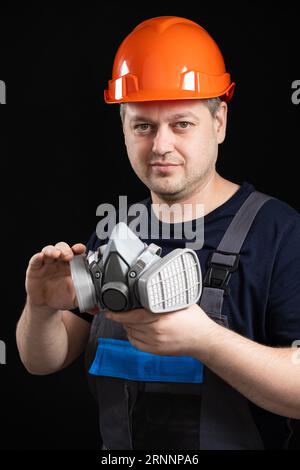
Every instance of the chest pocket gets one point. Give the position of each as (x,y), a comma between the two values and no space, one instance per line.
(118,358)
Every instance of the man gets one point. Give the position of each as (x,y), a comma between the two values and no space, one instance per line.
(170,79)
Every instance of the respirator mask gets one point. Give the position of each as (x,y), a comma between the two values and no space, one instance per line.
(126,273)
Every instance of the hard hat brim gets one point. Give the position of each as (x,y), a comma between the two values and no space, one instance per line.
(167,95)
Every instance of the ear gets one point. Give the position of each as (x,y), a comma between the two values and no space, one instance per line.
(220,122)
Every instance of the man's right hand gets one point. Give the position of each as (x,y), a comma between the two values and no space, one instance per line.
(48,277)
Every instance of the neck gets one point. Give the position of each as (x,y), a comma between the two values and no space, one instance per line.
(209,195)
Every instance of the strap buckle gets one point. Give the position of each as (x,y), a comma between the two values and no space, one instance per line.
(219,272)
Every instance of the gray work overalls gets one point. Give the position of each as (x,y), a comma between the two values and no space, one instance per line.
(225,419)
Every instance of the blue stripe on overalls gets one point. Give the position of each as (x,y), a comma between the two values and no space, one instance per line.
(118,358)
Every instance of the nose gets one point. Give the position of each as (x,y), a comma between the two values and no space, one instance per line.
(163,141)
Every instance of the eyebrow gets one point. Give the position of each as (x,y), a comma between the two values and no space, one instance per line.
(172,117)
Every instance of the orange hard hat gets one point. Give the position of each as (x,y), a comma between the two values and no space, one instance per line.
(168,58)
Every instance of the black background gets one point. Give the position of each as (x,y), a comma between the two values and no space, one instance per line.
(62,154)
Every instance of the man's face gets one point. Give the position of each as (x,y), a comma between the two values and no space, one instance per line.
(173,145)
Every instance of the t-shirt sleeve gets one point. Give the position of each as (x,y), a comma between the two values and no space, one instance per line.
(284,298)
(90,246)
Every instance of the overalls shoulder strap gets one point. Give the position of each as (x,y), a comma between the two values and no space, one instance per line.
(226,421)
(225,259)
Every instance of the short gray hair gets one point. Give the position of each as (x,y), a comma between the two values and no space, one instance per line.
(212,104)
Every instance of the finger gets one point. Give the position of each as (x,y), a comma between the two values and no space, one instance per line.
(141,329)
(37,261)
(139,315)
(50,254)
(139,344)
(78,248)
(66,251)
(133,334)
(63,247)
(94,310)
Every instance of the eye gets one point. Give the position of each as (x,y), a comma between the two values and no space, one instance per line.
(143,127)
(183,124)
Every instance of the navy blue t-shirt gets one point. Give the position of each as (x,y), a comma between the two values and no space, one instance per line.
(263,305)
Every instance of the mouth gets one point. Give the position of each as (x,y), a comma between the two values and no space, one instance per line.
(164,167)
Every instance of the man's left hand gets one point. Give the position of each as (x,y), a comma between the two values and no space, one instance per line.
(179,333)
